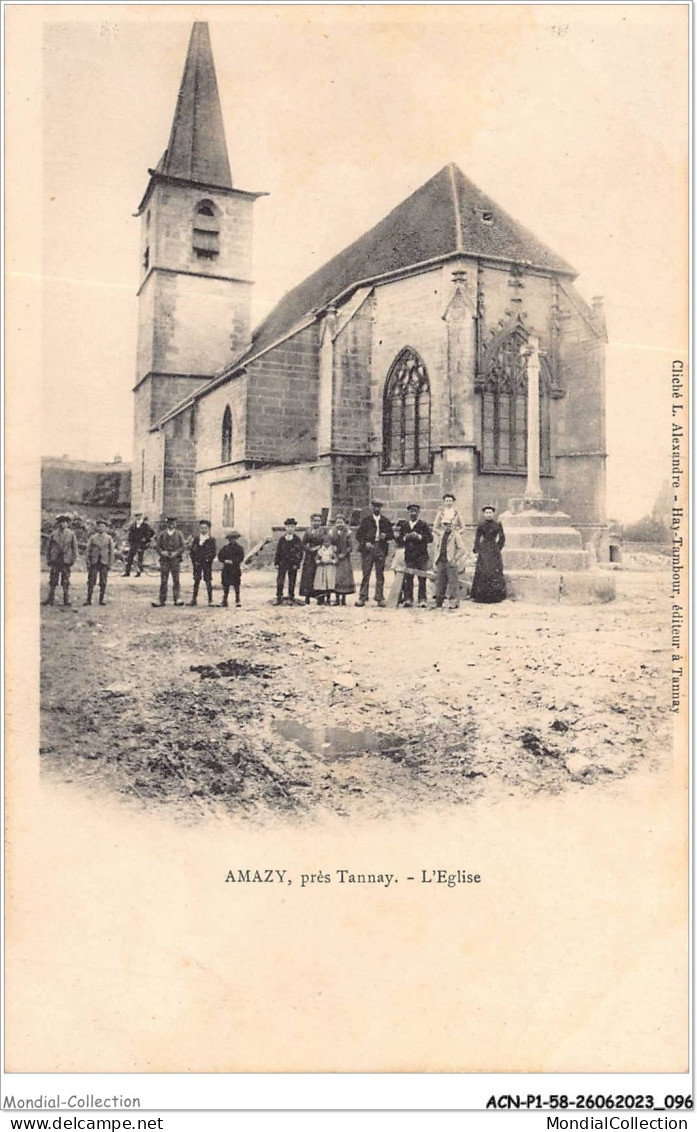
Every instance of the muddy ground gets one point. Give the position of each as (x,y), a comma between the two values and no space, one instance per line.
(262,711)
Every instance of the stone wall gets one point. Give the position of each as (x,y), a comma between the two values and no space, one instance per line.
(210,411)
(351,393)
(282,400)
(264,497)
(148,456)
(191,323)
(179,495)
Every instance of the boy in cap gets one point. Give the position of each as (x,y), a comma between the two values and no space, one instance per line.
(99,555)
(61,553)
(202,553)
(289,554)
(170,547)
(373,535)
(414,536)
(231,556)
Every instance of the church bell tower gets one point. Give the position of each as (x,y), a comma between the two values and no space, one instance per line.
(194,296)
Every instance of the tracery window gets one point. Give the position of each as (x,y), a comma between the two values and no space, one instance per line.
(226,446)
(407,415)
(206,234)
(505,409)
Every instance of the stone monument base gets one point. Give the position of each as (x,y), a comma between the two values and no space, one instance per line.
(552,587)
(544,559)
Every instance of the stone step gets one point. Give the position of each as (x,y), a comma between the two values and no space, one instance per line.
(550,587)
(535,519)
(520,505)
(540,558)
(561,538)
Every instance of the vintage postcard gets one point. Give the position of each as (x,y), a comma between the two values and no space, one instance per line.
(347,539)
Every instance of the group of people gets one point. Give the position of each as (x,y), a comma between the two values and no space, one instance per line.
(62,553)
(322,557)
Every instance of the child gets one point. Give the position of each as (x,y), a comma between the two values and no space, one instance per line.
(325,575)
(231,556)
(344,570)
(289,554)
(100,558)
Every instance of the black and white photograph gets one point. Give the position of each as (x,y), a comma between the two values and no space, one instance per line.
(347,553)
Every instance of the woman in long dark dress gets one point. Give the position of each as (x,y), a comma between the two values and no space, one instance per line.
(312,540)
(488,584)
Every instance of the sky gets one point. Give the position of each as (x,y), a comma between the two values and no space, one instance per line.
(573,118)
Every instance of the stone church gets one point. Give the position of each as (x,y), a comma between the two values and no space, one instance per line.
(398,370)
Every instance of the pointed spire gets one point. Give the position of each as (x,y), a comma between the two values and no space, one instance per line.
(197,150)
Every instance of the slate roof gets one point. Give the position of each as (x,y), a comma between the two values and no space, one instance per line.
(447,216)
(197,150)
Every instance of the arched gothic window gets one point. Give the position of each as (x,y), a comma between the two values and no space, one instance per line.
(226,446)
(206,234)
(407,415)
(505,409)
(229,510)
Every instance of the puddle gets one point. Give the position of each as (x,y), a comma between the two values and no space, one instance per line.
(335,742)
(230,668)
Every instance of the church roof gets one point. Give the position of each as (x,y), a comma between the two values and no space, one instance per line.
(197,150)
(447,216)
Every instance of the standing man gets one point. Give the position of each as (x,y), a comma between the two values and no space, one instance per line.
(170,547)
(139,535)
(61,553)
(373,536)
(448,552)
(100,558)
(289,555)
(203,550)
(414,535)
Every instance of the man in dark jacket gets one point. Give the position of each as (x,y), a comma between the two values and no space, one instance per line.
(170,547)
(231,555)
(289,555)
(61,553)
(414,536)
(373,535)
(203,550)
(139,535)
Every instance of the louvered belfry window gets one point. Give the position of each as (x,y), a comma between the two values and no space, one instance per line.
(206,238)
(505,410)
(407,415)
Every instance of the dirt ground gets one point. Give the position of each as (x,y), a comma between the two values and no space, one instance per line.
(304,711)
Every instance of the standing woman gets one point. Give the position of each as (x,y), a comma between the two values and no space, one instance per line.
(488,584)
(312,540)
(345,583)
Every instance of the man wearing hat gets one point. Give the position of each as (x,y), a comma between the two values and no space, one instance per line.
(448,559)
(139,535)
(170,546)
(202,553)
(289,555)
(373,535)
(231,556)
(61,553)
(414,536)
(99,555)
